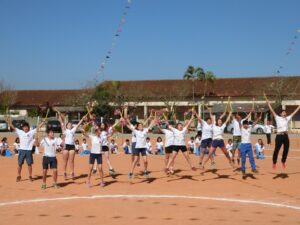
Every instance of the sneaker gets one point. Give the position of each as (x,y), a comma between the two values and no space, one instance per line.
(130,175)
(274,166)
(102,184)
(244,174)
(112,171)
(94,171)
(43,186)
(55,185)
(18,179)
(146,173)
(30,178)
(283,166)
(255,171)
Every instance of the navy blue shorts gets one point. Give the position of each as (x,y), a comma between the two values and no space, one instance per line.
(105,149)
(177,148)
(95,157)
(133,147)
(49,162)
(218,143)
(138,151)
(25,155)
(70,147)
(169,149)
(206,143)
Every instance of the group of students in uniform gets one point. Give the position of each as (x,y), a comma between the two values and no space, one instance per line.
(212,137)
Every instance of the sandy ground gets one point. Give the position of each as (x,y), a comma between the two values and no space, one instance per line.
(218,196)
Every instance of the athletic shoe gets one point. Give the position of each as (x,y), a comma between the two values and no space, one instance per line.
(55,185)
(94,171)
(102,184)
(43,186)
(244,174)
(18,179)
(274,166)
(130,175)
(30,178)
(146,173)
(283,166)
(112,171)
(255,171)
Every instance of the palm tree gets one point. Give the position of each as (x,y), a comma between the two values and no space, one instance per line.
(210,76)
(189,73)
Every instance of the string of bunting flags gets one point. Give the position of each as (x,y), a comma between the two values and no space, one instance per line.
(115,38)
(290,49)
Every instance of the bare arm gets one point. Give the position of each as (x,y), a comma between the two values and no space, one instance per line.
(269,105)
(248,116)
(257,119)
(9,122)
(223,114)
(296,110)
(146,121)
(190,122)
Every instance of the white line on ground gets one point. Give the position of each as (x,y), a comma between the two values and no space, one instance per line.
(232,200)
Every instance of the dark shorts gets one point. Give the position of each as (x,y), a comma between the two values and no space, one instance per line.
(206,143)
(169,149)
(133,147)
(199,133)
(95,157)
(177,148)
(105,149)
(138,151)
(25,155)
(49,162)
(70,147)
(218,143)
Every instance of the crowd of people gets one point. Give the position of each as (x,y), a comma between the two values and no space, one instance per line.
(210,137)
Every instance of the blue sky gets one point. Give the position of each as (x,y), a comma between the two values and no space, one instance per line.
(59,44)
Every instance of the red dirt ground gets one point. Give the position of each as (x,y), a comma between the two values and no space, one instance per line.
(268,186)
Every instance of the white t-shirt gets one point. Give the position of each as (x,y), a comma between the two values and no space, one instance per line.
(218,132)
(198,142)
(236,128)
(26,139)
(59,142)
(96,142)
(246,135)
(179,136)
(104,136)
(282,123)
(159,145)
(268,129)
(229,147)
(191,144)
(113,146)
(49,146)
(17,146)
(149,146)
(259,147)
(141,138)
(3,146)
(133,137)
(207,130)
(169,137)
(70,136)
(77,147)
(84,146)
(199,126)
